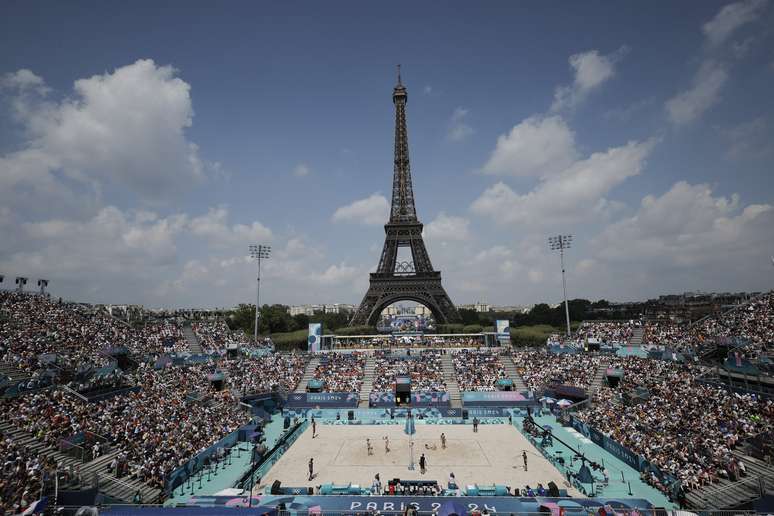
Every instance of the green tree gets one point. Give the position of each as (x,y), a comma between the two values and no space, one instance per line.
(242,318)
(276,319)
(468,316)
(302,320)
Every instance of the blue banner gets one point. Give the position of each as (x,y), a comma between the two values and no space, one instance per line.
(430,399)
(502,327)
(323,399)
(495,398)
(381,399)
(424,504)
(315,337)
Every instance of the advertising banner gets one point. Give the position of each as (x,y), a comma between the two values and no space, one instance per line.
(323,399)
(503,329)
(315,337)
(497,398)
(423,504)
(418,399)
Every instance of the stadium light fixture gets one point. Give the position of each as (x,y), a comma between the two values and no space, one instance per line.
(560,243)
(259,252)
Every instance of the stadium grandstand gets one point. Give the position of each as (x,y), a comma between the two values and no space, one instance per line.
(174,411)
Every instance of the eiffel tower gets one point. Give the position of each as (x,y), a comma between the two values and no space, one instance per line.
(395,280)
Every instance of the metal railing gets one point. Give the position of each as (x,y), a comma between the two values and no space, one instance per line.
(72,392)
(73,450)
(751,488)
(275,455)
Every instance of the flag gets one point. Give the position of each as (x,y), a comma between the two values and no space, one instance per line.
(36,507)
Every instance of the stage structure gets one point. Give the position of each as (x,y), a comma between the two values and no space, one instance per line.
(395,280)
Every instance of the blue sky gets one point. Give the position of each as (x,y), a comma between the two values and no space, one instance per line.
(143,148)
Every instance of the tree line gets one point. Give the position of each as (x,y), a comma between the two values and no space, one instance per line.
(276,318)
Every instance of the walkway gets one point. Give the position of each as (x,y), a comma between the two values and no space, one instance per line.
(368,381)
(513,373)
(621,476)
(450,377)
(227,476)
(193,341)
(637,336)
(599,379)
(308,373)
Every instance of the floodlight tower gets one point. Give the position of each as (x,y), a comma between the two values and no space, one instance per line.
(259,252)
(560,243)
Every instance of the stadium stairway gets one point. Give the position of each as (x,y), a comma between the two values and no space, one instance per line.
(308,373)
(725,494)
(193,341)
(123,489)
(513,374)
(29,441)
(12,372)
(368,381)
(598,380)
(757,468)
(637,336)
(450,377)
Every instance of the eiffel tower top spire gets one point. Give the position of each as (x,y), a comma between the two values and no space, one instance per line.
(402,210)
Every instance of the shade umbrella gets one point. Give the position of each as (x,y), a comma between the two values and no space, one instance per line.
(547,399)
(564,403)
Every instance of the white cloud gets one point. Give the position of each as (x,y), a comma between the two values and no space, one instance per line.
(301,170)
(730,18)
(627,113)
(590,70)
(748,140)
(458,128)
(703,94)
(337,274)
(124,129)
(24,80)
(689,229)
(713,72)
(373,210)
(538,146)
(571,196)
(214,228)
(111,246)
(446,227)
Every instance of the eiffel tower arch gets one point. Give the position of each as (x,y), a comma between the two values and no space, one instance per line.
(396,280)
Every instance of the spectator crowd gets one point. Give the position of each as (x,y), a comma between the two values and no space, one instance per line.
(540,369)
(686,428)
(607,332)
(477,370)
(425,370)
(341,372)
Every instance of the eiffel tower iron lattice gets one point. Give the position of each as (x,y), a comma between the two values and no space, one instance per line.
(396,280)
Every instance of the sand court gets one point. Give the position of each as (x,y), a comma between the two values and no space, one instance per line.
(493,455)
